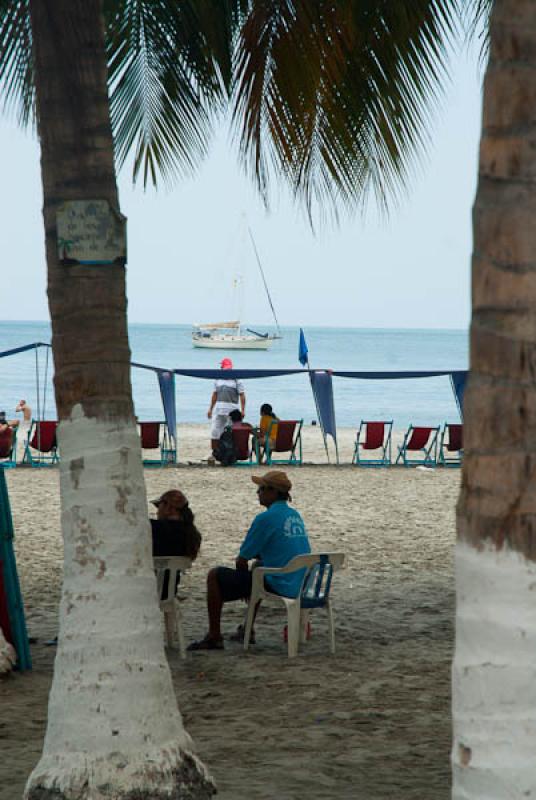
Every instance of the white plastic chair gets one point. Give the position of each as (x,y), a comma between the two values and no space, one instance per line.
(314,593)
(170,603)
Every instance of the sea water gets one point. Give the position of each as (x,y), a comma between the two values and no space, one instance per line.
(417,401)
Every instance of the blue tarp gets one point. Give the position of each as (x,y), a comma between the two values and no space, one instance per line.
(322,386)
(166,381)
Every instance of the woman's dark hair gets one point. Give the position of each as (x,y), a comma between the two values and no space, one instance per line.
(191,536)
(266,411)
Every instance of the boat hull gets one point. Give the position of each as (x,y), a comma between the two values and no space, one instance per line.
(233,343)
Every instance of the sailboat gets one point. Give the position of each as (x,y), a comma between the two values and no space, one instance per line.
(231,335)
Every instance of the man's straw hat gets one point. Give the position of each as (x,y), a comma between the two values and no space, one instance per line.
(276,479)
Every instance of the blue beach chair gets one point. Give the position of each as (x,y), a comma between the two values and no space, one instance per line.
(419,439)
(373,436)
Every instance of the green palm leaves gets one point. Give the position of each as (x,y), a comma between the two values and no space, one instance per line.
(334,95)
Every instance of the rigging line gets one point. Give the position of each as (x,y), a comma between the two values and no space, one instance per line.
(264,279)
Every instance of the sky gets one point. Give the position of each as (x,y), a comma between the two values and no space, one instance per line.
(186,245)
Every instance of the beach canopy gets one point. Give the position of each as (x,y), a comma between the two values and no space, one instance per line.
(321,384)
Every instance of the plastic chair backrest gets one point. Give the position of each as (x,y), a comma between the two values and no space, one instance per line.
(455,441)
(44,438)
(169,567)
(285,435)
(6,443)
(419,438)
(150,435)
(317,583)
(241,435)
(374,436)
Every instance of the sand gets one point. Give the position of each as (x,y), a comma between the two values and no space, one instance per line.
(370,722)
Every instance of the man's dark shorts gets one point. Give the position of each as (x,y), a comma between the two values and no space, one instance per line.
(235,584)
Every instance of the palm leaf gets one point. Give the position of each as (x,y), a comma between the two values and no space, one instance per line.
(169,64)
(16,67)
(337,95)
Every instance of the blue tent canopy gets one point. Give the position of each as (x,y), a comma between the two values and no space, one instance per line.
(321,384)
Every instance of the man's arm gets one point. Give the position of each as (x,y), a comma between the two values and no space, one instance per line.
(243,403)
(241,563)
(212,404)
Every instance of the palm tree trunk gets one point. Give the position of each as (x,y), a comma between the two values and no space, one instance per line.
(494,672)
(114,729)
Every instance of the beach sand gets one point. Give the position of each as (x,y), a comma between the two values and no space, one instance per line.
(370,722)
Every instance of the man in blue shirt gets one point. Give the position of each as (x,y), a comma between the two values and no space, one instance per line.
(275,537)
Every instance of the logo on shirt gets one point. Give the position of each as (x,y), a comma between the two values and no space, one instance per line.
(293,526)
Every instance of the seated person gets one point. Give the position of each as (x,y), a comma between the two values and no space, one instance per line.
(275,536)
(237,419)
(173,531)
(267,417)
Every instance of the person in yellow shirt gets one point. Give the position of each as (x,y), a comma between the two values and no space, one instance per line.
(267,417)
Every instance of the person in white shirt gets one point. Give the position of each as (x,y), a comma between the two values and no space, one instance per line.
(227,396)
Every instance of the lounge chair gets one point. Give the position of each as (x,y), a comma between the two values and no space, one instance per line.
(154,436)
(315,593)
(170,602)
(451,445)
(373,436)
(287,440)
(41,448)
(245,451)
(421,440)
(8,447)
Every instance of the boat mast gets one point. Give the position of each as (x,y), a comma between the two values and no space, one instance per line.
(264,280)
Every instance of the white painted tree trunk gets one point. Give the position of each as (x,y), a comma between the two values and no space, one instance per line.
(114,728)
(494,675)
(8,656)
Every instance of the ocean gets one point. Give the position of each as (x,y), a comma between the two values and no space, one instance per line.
(418,401)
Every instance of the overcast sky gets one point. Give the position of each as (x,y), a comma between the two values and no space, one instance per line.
(184,246)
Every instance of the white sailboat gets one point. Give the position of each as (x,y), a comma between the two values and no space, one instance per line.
(231,335)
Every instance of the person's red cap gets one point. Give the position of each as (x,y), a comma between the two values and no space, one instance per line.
(226,363)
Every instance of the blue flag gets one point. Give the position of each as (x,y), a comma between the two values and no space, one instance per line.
(303,353)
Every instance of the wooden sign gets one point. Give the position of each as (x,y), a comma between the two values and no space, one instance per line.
(90,232)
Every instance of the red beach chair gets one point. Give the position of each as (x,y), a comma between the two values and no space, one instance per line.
(451,445)
(154,436)
(41,447)
(373,436)
(287,440)
(244,451)
(419,440)
(8,447)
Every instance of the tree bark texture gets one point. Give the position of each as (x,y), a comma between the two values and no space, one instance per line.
(114,729)
(494,670)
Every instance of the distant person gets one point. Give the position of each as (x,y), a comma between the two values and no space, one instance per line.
(228,395)
(274,538)
(266,420)
(25,409)
(237,419)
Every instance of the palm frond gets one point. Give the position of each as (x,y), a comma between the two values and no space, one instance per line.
(170,66)
(337,95)
(16,66)
(475,19)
